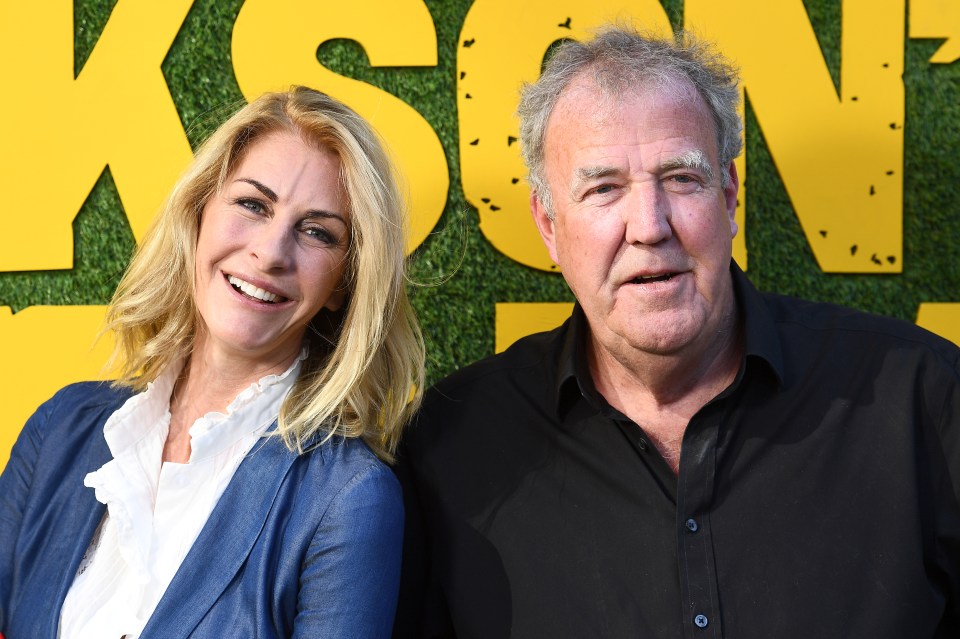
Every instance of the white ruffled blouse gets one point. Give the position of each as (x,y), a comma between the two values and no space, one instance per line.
(155,510)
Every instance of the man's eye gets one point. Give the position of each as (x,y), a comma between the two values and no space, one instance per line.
(683,183)
(603,189)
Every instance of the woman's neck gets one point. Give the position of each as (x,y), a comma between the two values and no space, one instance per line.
(210,381)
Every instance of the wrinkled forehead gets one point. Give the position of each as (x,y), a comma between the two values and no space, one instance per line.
(602,93)
(592,114)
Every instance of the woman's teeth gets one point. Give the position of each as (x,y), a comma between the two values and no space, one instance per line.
(252,291)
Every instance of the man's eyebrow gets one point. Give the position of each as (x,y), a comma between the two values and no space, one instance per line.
(692,159)
(263,188)
(588,173)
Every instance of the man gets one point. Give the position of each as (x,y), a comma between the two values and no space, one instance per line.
(685,456)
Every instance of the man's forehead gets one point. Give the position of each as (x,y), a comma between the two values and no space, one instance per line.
(589,117)
(584,94)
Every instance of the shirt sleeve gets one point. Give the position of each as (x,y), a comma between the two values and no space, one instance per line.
(947,503)
(15,482)
(351,574)
(422,612)
(949,426)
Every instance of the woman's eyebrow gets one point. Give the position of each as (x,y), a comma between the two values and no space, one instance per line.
(269,193)
(314,213)
(263,188)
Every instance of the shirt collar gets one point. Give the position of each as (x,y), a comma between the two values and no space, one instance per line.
(148,414)
(762,341)
(762,346)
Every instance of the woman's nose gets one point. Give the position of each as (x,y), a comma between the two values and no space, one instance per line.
(272,246)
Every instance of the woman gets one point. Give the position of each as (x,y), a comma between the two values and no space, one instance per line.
(232,483)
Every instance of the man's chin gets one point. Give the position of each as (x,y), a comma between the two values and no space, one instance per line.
(666,333)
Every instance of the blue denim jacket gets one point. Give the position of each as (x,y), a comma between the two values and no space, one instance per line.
(297,546)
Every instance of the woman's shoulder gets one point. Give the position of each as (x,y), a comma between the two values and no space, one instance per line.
(79,403)
(89,394)
(346,463)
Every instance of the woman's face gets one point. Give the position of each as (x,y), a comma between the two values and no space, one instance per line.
(271,251)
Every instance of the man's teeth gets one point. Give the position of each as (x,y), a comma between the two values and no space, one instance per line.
(251,290)
(645,279)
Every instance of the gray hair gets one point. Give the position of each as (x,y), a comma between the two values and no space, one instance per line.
(621,59)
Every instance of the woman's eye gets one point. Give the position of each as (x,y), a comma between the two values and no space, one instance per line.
(252,205)
(319,234)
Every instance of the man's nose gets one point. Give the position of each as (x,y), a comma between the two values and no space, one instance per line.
(646,215)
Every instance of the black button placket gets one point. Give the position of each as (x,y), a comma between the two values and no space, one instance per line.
(696,561)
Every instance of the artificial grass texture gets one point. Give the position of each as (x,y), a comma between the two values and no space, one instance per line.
(461,277)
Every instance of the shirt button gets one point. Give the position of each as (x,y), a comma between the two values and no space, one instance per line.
(693,527)
(701,621)
(642,444)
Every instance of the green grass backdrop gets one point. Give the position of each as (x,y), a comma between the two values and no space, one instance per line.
(457,315)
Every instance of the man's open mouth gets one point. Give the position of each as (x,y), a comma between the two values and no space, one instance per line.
(649,279)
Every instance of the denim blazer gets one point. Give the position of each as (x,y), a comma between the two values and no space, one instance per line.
(298,545)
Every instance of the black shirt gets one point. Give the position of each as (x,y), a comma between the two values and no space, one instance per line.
(817,495)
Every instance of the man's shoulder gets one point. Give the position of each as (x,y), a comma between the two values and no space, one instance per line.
(825,321)
(495,390)
(514,367)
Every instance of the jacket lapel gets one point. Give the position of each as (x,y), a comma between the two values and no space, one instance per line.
(78,513)
(224,542)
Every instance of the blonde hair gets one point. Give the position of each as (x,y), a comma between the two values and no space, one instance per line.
(364,373)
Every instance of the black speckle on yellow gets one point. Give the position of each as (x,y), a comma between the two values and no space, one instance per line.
(485,200)
(892,259)
(494,207)
(875,259)
(514,180)
(853,250)
(872,190)
(463,74)
(468,96)
(854,98)
(475,142)
(469,43)
(823,233)
(890,172)
(510,140)
(886,65)
(565,24)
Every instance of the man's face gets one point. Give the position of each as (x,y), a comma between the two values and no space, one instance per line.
(642,228)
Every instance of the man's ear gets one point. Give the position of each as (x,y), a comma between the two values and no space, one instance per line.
(545,225)
(730,193)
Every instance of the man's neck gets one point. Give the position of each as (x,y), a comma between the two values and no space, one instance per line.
(661,393)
